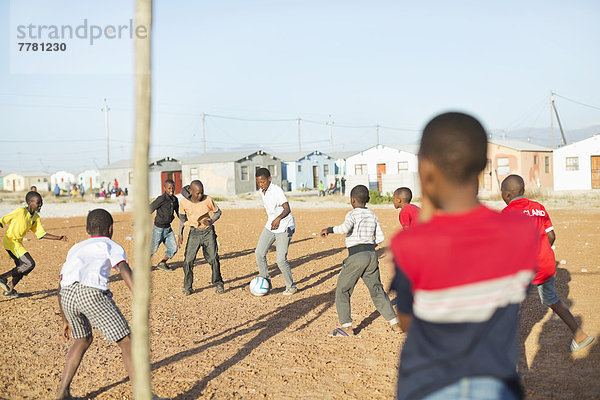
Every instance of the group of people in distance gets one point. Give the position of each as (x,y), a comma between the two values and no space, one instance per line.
(460,273)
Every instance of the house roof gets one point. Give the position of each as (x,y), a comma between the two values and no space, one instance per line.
(31,173)
(129,163)
(342,155)
(409,148)
(521,146)
(223,157)
(298,155)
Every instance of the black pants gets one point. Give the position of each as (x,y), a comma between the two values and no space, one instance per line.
(207,239)
(23,265)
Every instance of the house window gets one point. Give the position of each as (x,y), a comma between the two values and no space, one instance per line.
(244,170)
(325,169)
(402,166)
(360,169)
(547,164)
(299,168)
(45,179)
(272,170)
(503,166)
(572,163)
(130,177)
(193,173)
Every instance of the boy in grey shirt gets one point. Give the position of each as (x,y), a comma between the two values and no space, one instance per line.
(363,233)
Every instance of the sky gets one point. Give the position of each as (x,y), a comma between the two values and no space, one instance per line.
(254,67)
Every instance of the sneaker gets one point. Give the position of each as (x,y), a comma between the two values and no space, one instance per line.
(12,294)
(187,292)
(290,291)
(163,266)
(4,285)
(220,289)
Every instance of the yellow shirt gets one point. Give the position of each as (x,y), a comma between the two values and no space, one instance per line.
(20,221)
(198,212)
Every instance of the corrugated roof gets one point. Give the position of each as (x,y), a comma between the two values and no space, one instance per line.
(521,146)
(223,157)
(129,163)
(409,148)
(30,173)
(298,155)
(342,155)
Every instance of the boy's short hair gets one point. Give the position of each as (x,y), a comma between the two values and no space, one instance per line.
(360,193)
(264,172)
(98,221)
(457,144)
(171,181)
(404,193)
(32,195)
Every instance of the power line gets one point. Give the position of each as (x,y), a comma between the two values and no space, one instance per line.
(575,101)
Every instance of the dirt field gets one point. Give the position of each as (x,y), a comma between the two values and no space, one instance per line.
(236,345)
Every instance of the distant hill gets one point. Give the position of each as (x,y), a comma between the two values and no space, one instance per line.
(541,136)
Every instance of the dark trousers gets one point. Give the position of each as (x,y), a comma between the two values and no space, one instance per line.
(23,266)
(207,239)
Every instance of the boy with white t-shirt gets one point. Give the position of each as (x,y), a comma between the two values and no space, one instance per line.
(279,228)
(85,299)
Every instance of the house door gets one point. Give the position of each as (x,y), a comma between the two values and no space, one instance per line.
(380,171)
(315,176)
(175,176)
(595,172)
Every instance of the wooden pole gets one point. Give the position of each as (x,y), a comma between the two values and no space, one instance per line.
(142,389)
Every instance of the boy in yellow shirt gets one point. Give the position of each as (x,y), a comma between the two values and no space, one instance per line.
(20,221)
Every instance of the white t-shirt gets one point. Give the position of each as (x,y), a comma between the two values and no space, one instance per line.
(273,201)
(89,262)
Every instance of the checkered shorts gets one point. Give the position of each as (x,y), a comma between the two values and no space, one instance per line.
(83,305)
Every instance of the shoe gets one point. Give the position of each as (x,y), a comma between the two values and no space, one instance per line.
(290,291)
(187,292)
(574,345)
(12,294)
(163,266)
(220,289)
(4,285)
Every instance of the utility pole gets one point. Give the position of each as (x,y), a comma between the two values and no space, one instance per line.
(330,134)
(562,132)
(377,130)
(106,109)
(299,141)
(203,133)
(551,121)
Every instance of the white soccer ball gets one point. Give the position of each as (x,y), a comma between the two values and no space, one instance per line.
(259,286)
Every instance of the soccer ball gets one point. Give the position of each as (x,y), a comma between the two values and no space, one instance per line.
(259,286)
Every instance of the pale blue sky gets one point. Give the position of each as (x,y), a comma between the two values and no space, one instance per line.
(393,63)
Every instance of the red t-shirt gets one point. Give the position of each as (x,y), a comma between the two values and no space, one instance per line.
(545,257)
(409,215)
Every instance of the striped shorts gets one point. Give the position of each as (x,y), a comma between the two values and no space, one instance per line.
(85,306)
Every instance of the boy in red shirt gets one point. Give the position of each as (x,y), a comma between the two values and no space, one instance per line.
(409,213)
(461,274)
(513,190)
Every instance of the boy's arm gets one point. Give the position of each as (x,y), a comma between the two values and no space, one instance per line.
(379,237)
(182,221)
(404,298)
(155,204)
(66,328)
(286,211)
(55,237)
(551,237)
(345,227)
(123,267)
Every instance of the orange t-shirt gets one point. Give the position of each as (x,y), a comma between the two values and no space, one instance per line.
(198,212)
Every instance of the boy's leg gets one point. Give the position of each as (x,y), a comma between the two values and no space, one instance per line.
(23,266)
(282,243)
(372,279)
(74,357)
(170,243)
(265,241)
(157,238)
(210,250)
(191,249)
(352,269)
(547,293)
(125,346)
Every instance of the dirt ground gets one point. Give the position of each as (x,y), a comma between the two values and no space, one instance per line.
(236,345)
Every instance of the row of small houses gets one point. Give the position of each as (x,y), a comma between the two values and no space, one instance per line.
(383,167)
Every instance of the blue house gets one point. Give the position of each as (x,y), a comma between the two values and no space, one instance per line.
(306,169)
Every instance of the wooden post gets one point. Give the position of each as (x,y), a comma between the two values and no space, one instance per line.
(142,389)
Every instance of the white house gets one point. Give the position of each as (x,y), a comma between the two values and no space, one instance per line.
(340,158)
(306,169)
(16,182)
(577,165)
(63,179)
(89,179)
(386,167)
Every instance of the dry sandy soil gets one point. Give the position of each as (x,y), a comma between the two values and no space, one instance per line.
(236,345)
